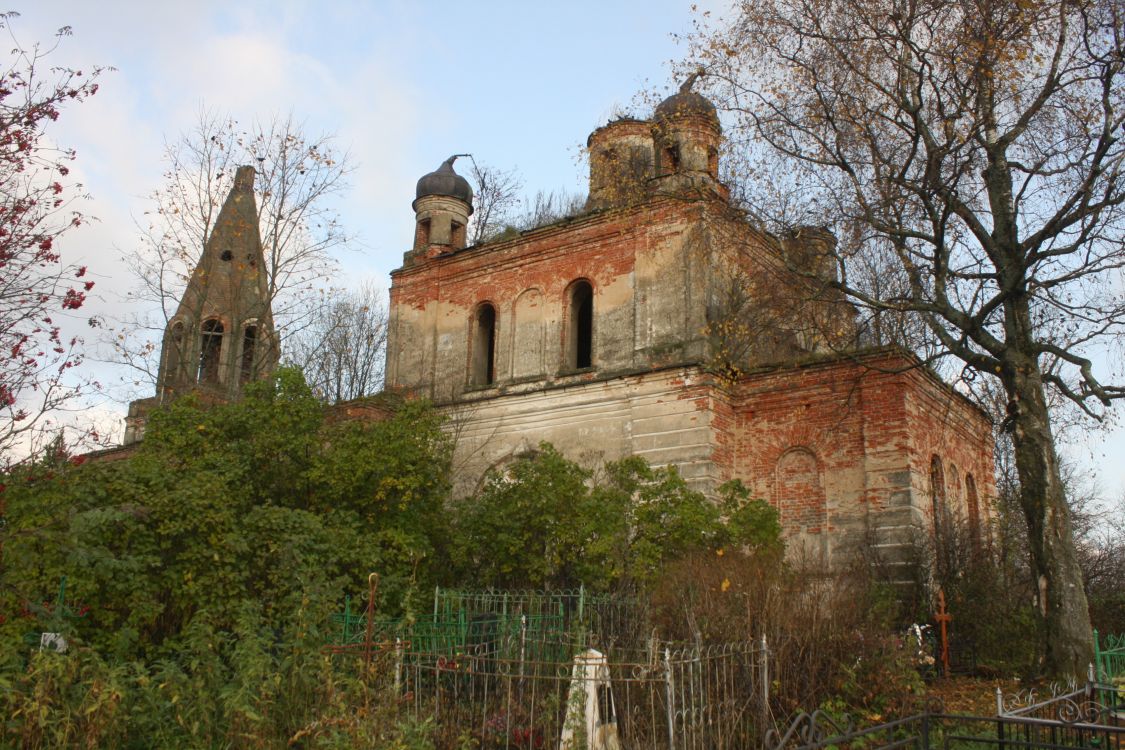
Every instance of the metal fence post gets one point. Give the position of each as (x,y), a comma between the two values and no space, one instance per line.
(398,666)
(764,689)
(1098,659)
(999,716)
(523,643)
(671,694)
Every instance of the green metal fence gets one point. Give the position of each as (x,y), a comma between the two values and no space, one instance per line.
(1109,656)
(497,624)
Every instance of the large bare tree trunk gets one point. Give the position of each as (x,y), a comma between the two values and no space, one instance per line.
(1062,603)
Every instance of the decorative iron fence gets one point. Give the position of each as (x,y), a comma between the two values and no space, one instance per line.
(950,732)
(1072,719)
(658,697)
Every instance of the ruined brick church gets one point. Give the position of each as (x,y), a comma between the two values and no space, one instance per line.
(659,322)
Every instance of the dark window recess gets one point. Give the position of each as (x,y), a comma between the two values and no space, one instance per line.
(580,336)
(212,346)
(484,346)
(226,255)
(671,160)
(422,234)
(175,352)
(249,342)
(973,506)
(937,489)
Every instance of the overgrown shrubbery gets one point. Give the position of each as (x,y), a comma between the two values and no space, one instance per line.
(546,522)
(988,593)
(205,568)
(202,570)
(833,638)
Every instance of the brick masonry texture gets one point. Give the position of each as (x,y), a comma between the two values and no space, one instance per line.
(713,347)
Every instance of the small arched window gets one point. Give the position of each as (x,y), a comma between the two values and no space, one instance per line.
(580,326)
(209,351)
(457,235)
(669,159)
(483,346)
(249,350)
(422,234)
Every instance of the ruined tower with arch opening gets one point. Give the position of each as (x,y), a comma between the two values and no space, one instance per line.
(221,335)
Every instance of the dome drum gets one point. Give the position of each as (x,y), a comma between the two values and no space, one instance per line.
(442,207)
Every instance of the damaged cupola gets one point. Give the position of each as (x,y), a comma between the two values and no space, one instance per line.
(686,135)
(676,153)
(442,206)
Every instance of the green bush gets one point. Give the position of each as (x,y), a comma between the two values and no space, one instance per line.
(206,565)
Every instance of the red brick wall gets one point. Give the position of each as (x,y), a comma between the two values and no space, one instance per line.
(844,446)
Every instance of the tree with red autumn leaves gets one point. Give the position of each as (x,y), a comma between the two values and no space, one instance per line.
(37,206)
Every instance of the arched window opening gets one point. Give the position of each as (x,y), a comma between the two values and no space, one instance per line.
(953,494)
(800,497)
(972,505)
(484,346)
(212,346)
(937,497)
(713,162)
(175,352)
(670,160)
(422,233)
(249,349)
(457,235)
(937,489)
(580,326)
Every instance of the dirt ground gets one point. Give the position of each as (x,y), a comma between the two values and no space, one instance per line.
(970,695)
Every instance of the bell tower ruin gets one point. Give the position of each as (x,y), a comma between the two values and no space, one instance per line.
(222,335)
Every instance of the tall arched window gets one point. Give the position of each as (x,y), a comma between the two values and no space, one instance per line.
(483,353)
(580,326)
(972,505)
(209,351)
(937,488)
(175,353)
(249,345)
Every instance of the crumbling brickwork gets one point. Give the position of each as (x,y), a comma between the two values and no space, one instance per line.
(662,323)
(221,335)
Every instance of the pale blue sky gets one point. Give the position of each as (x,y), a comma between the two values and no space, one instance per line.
(402,84)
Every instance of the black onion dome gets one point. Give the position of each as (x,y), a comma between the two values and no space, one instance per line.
(444,181)
(686,103)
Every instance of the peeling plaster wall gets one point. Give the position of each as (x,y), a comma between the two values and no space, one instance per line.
(656,415)
(840,444)
(645,285)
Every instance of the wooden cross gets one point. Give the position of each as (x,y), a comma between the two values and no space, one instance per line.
(943,619)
